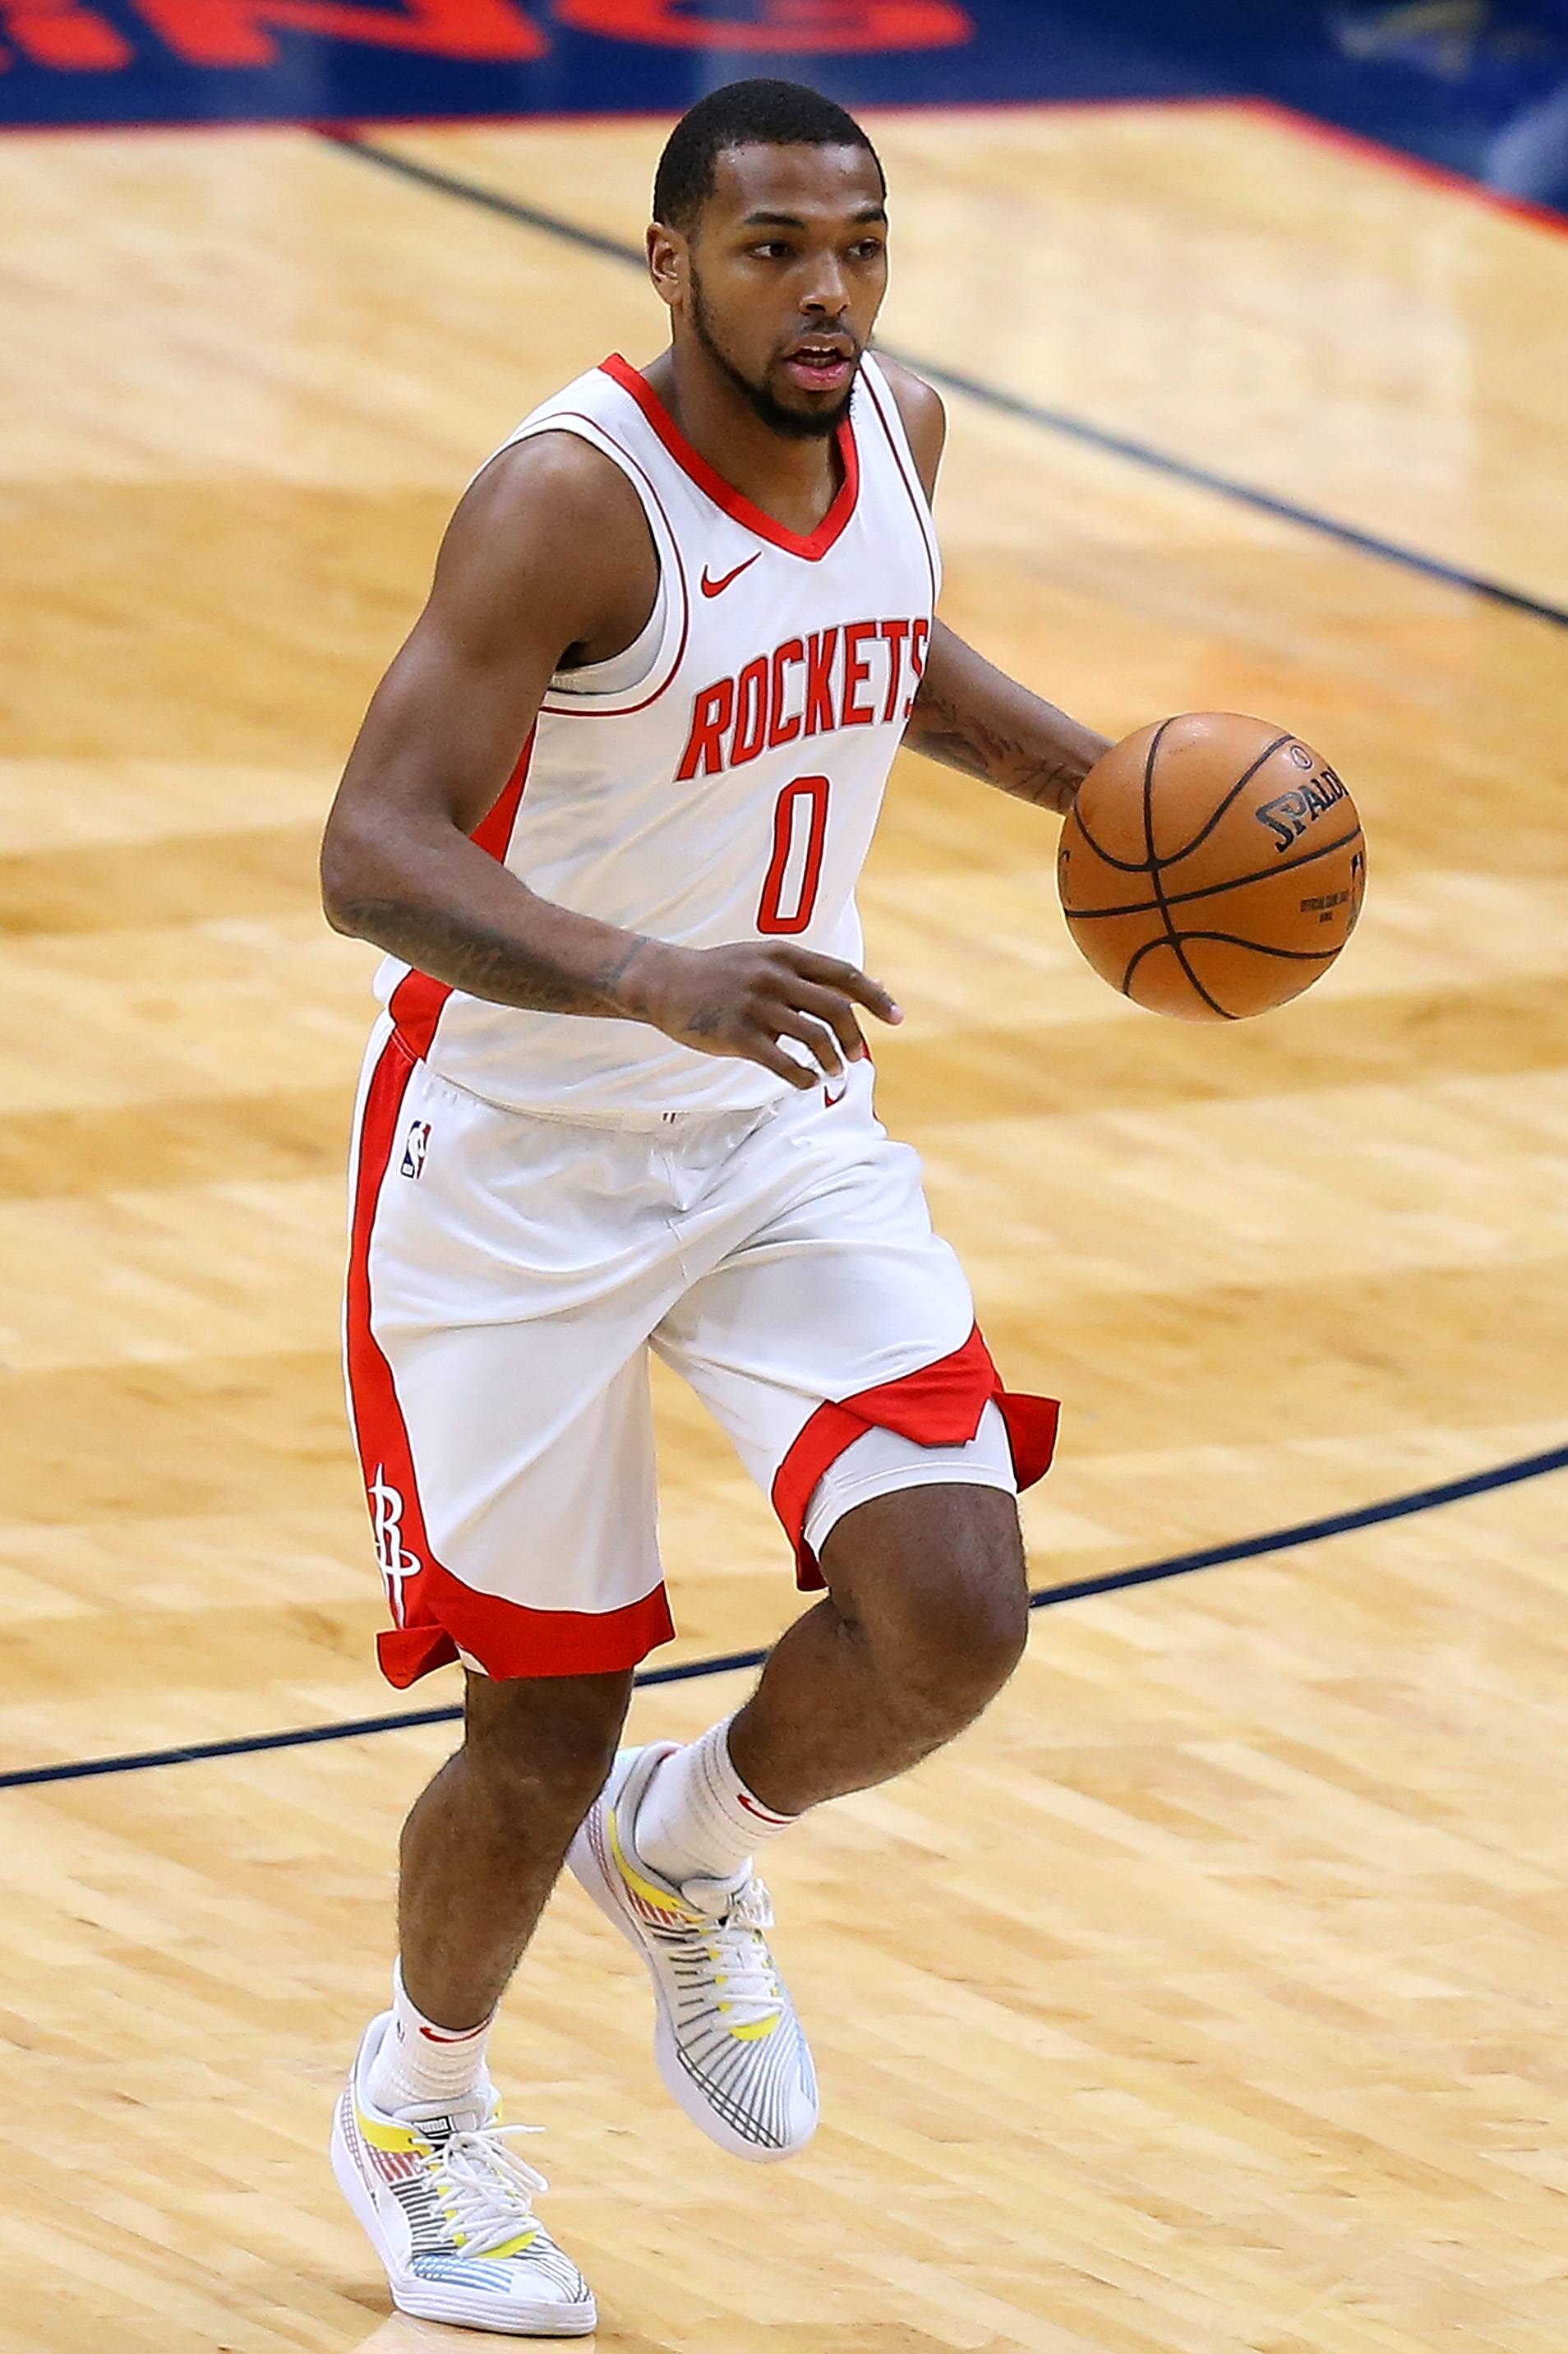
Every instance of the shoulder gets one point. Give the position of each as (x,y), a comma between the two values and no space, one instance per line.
(924,417)
(553,483)
(550,519)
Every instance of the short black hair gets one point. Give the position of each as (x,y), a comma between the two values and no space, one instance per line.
(760,114)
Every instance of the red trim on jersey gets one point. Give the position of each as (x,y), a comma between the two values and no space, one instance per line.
(416,1004)
(938,1404)
(436,1613)
(811,546)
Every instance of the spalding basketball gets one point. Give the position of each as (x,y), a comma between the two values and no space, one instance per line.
(1212,866)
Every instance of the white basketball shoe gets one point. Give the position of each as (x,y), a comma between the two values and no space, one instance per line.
(727,2041)
(448,2207)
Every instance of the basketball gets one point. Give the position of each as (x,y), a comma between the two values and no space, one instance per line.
(1212,866)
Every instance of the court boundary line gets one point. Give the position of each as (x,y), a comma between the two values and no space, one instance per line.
(1406,1506)
(1060,421)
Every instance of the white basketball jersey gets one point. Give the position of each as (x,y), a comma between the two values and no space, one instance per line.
(720,781)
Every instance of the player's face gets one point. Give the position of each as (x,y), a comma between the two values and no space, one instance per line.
(784,276)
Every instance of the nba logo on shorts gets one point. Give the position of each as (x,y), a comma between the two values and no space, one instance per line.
(413,1148)
(386,1525)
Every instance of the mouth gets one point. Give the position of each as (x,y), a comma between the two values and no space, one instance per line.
(822,363)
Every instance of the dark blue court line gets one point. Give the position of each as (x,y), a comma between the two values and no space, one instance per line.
(1116,1581)
(991,396)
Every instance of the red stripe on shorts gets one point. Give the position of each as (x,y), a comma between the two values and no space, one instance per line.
(940,1405)
(437,1615)
(418,1000)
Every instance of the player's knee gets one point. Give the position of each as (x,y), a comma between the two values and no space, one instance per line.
(541,1747)
(959,1662)
(953,1629)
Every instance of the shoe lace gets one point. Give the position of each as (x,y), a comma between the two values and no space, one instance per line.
(734,1946)
(489,2190)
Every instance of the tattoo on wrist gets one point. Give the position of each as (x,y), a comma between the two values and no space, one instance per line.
(613,984)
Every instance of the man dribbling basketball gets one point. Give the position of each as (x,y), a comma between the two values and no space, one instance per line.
(620,1099)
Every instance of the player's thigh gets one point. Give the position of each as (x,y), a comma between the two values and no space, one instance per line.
(836,1284)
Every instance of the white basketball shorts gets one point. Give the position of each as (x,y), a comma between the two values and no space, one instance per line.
(509,1273)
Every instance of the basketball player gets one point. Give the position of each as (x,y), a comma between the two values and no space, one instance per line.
(619,1098)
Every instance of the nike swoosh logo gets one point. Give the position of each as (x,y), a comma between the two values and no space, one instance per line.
(718,588)
(431,2036)
(749,1803)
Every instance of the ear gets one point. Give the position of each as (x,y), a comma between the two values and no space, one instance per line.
(667,263)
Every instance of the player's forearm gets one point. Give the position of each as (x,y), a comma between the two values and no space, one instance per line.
(971,716)
(447,909)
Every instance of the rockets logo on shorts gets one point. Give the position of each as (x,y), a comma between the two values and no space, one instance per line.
(386,1527)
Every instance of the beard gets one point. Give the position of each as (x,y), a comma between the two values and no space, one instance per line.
(793,424)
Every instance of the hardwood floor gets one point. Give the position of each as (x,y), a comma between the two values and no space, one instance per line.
(1205,2000)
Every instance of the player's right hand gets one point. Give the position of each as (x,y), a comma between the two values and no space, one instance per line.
(758,999)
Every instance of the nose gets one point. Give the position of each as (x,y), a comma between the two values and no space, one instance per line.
(826,294)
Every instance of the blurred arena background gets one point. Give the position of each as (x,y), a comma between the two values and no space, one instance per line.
(1205,2000)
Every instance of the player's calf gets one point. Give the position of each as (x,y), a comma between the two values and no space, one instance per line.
(484,1843)
(419,2146)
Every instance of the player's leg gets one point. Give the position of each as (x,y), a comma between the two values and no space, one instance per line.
(539,1569)
(417,2146)
(481,1851)
(502,1417)
(925,1617)
(838,1289)
(902,1499)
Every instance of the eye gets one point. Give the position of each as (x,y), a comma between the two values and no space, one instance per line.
(868,248)
(774,249)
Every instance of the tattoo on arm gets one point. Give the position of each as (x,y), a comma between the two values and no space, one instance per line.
(489,964)
(961,740)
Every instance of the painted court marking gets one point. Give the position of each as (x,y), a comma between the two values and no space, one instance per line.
(1116,1581)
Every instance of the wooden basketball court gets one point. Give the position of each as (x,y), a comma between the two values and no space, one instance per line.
(1205,1999)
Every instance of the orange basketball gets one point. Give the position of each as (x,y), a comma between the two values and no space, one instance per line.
(1212,866)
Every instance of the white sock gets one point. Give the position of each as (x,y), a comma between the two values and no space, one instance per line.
(419,2063)
(697,1819)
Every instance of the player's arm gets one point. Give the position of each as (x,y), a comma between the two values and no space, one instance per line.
(548,556)
(969,714)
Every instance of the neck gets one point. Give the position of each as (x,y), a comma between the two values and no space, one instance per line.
(794,481)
